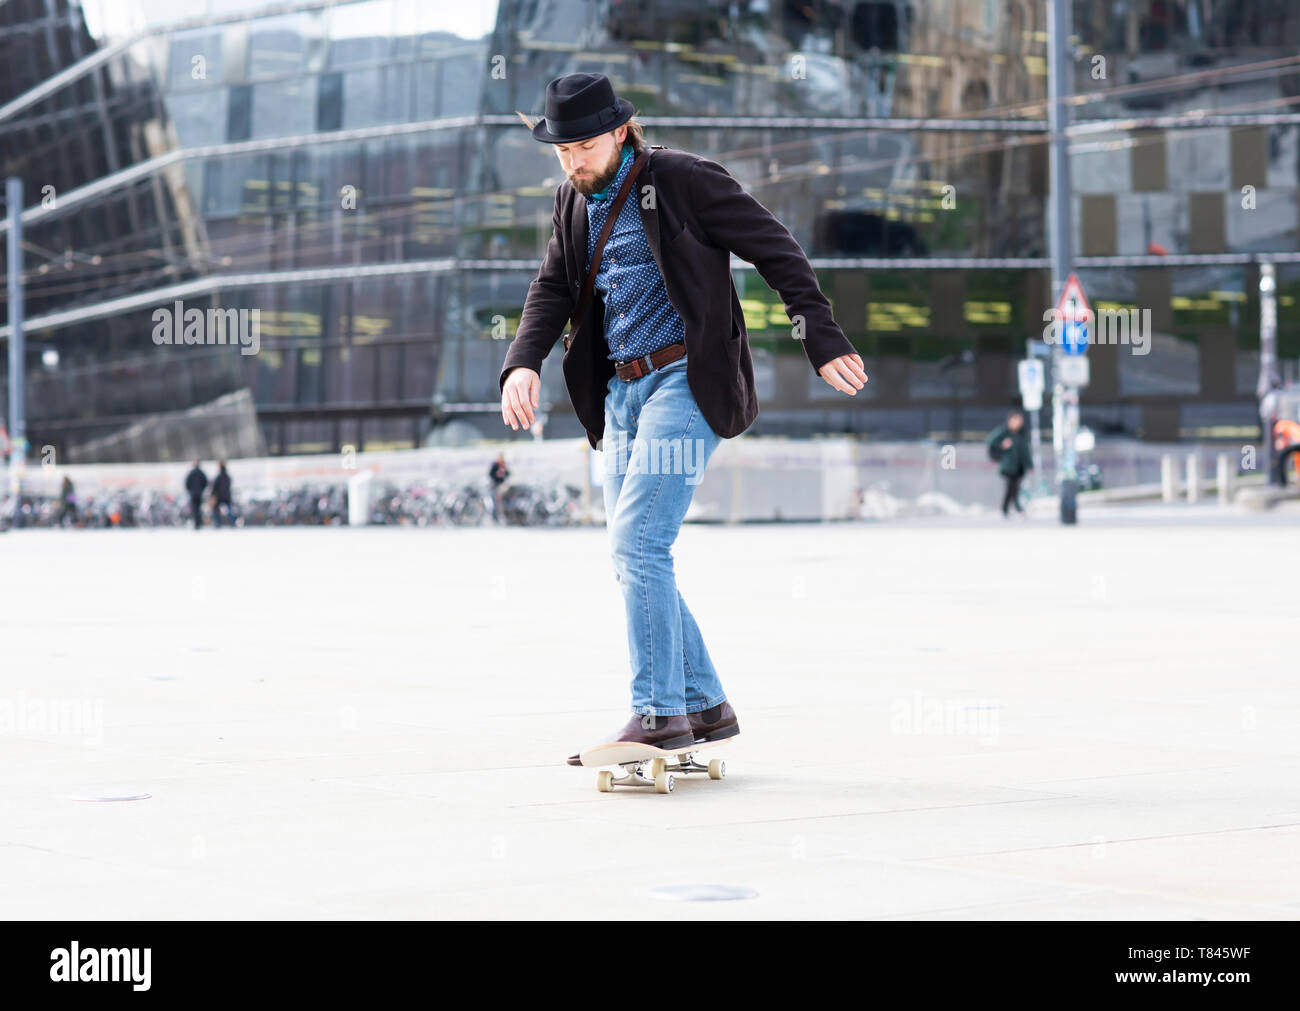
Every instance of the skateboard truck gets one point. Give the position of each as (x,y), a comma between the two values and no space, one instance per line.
(648,766)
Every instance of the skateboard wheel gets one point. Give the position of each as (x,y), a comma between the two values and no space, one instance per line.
(657,765)
(717,768)
(605,781)
(664,782)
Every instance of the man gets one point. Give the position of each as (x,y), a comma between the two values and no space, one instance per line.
(68,500)
(498,473)
(658,366)
(195,482)
(221,496)
(1009,445)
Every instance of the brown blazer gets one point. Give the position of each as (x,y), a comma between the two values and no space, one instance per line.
(698,216)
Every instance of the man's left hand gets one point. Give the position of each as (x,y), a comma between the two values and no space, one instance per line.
(845,373)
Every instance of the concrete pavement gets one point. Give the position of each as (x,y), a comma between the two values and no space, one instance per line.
(949,718)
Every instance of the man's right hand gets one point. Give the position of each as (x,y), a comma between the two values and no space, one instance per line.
(519,397)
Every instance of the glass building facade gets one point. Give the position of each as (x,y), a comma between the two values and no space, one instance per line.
(358,173)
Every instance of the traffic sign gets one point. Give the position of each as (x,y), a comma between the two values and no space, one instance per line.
(1030,373)
(1073,370)
(1073,317)
(1074,337)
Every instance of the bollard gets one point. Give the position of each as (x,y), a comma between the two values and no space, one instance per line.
(733,510)
(359,486)
(1168,481)
(1223,477)
(593,462)
(1193,478)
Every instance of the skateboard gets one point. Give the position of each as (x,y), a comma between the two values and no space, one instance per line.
(646,765)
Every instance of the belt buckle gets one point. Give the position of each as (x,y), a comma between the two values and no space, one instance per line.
(649,365)
(631,361)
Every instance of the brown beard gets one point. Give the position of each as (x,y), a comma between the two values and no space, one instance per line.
(594,185)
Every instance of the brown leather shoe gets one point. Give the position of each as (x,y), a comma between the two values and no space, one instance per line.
(665,732)
(716,724)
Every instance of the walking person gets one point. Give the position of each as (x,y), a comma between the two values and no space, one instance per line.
(498,473)
(68,503)
(221,496)
(657,365)
(1009,445)
(195,482)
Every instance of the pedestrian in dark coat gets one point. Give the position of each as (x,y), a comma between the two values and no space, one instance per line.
(1009,445)
(498,472)
(221,506)
(195,482)
(68,498)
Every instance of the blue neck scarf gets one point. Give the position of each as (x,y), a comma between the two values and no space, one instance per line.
(627,156)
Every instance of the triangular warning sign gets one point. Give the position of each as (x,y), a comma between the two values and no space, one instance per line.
(1073,304)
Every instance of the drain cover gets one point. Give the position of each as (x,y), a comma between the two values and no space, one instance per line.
(109,794)
(702,893)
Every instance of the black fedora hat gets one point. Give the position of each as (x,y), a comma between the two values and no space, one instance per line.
(579,106)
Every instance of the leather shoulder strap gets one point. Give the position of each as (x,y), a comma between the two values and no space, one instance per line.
(617,206)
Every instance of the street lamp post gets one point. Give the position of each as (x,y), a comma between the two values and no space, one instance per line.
(17,416)
(1065,397)
(1270,380)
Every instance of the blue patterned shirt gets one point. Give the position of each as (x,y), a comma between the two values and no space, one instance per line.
(638,316)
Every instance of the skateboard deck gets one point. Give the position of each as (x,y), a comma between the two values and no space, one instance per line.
(646,765)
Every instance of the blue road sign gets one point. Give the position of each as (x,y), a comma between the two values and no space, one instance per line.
(1074,337)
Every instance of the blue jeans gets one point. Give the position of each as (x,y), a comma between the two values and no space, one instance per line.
(656,446)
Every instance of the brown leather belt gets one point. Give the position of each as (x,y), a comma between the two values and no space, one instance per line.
(638,367)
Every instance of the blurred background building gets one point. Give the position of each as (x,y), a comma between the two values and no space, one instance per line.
(357,172)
